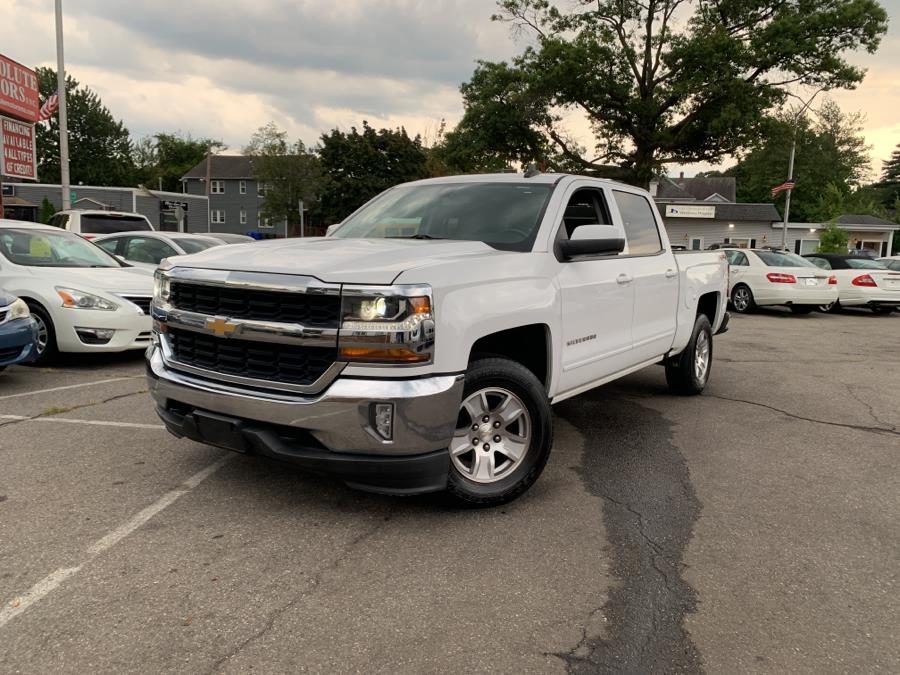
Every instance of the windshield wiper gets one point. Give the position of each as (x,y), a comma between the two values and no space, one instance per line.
(416,236)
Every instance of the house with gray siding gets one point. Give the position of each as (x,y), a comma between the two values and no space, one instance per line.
(235,196)
(158,206)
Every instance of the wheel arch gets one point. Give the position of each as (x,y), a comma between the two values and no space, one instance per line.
(529,345)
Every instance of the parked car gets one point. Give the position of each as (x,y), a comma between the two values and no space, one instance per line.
(92,223)
(765,277)
(82,298)
(861,282)
(230,237)
(148,249)
(427,359)
(18,331)
(863,253)
(892,263)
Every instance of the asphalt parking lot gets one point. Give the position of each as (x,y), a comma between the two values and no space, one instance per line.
(752,529)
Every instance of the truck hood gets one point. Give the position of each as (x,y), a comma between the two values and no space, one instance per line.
(332,260)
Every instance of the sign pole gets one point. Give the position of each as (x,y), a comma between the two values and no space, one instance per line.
(63,120)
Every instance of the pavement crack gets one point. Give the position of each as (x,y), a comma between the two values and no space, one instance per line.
(53,411)
(871,410)
(890,431)
(313,585)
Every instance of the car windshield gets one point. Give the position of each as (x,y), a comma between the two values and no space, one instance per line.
(864,264)
(50,248)
(503,215)
(783,259)
(193,245)
(100,224)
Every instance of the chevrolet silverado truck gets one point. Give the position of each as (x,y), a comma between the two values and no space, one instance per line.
(419,346)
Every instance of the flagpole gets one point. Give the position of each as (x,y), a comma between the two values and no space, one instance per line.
(787,199)
(63,120)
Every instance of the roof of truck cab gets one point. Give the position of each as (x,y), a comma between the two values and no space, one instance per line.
(540,178)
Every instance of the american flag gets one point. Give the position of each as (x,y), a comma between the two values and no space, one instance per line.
(786,185)
(49,107)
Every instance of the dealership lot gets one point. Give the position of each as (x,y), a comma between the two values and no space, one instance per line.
(752,529)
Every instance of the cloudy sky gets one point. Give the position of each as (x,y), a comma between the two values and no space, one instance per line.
(223,68)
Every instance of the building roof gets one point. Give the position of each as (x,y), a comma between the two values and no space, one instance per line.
(851,219)
(223,166)
(765,213)
(699,188)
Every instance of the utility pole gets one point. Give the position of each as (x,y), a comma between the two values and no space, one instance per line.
(300,206)
(63,120)
(208,177)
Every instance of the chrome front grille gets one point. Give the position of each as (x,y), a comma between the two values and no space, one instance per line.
(264,331)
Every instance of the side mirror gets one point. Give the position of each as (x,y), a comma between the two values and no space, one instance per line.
(331,228)
(592,240)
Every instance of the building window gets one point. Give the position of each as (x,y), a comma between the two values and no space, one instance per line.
(243,216)
(262,189)
(263,223)
(740,242)
(243,187)
(696,243)
(217,216)
(217,187)
(808,246)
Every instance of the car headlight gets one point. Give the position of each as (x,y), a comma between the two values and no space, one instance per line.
(393,325)
(161,288)
(76,299)
(18,310)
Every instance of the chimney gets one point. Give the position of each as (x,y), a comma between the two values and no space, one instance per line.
(681,177)
(653,187)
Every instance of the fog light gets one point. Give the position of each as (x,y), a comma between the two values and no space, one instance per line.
(95,336)
(384,420)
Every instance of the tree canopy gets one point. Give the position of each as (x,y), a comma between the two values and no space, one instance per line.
(659,81)
(359,165)
(100,148)
(162,159)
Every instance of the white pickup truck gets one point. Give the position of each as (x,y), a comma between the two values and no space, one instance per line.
(419,346)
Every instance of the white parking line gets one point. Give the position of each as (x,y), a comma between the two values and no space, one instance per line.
(70,386)
(99,423)
(52,581)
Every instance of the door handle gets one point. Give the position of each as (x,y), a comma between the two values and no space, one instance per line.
(623,279)
(671,274)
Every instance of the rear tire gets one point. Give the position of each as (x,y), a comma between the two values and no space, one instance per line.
(742,299)
(688,373)
(501,400)
(802,309)
(883,310)
(47,350)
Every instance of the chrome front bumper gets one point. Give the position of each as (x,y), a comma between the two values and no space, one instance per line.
(339,418)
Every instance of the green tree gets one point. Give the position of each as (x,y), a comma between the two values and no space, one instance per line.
(889,185)
(658,83)
(359,165)
(47,211)
(833,239)
(831,155)
(289,171)
(100,150)
(162,159)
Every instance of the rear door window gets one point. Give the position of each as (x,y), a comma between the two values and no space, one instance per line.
(100,224)
(641,231)
(737,258)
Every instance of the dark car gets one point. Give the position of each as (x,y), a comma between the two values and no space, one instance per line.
(18,331)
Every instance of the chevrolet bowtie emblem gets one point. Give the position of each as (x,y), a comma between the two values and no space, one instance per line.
(221,327)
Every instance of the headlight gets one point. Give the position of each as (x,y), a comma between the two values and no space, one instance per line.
(18,310)
(394,325)
(161,286)
(81,300)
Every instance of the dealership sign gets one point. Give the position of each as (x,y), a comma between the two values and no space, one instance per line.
(690,211)
(18,158)
(20,97)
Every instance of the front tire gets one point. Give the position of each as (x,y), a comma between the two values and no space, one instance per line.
(688,373)
(503,437)
(46,343)
(742,299)
(802,309)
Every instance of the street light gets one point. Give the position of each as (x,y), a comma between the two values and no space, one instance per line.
(790,176)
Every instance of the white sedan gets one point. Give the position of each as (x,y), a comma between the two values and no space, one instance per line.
(148,249)
(862,282)
(763,277)
(82,298)
(892,263)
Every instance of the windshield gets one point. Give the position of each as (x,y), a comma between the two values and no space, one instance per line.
(49,248)
(783,259)
(503,215)
(192,245)
(99,224)
(864,264)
